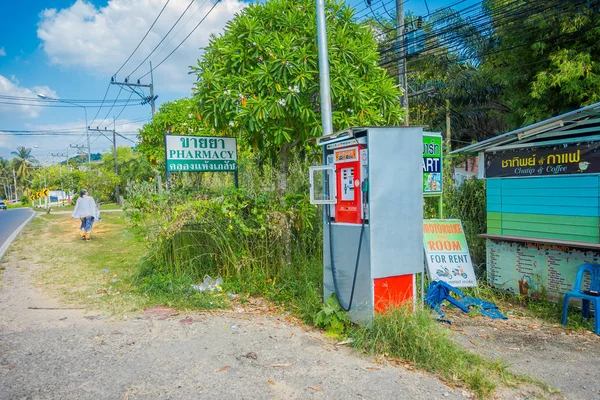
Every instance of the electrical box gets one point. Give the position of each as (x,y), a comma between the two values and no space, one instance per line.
(370,186)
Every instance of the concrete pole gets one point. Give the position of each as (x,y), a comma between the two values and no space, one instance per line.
(401,57)
(117,189)
(325,84)
(15,179)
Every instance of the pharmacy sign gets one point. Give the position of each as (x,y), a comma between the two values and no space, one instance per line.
(200,154)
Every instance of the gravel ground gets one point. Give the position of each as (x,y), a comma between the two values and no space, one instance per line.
(566,360)
(71,354)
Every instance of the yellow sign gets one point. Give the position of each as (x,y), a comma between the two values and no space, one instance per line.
(38,195)
(45,192)
(6,202)
(32,197)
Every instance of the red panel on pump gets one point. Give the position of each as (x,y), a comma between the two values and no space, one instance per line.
(392,291)
(348,207)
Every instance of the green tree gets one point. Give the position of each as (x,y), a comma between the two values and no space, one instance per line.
(132,166)
(553,65)
(174,117)
(23,161)
(259,80)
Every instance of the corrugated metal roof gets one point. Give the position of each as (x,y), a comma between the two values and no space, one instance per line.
(584,121)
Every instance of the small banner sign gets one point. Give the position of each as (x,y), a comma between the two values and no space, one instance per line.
(447,252)
(200,153)
(562,159)
(432,164)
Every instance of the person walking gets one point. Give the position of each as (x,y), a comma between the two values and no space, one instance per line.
(87,211)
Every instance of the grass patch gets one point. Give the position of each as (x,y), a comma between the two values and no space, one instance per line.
(418,339)
(103,273)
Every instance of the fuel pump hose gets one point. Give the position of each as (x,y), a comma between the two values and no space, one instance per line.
(360,240)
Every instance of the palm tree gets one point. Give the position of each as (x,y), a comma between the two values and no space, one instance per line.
(23,161)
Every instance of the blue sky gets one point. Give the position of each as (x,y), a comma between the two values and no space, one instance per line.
(69,50)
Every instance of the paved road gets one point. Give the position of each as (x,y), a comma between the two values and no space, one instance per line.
(10,220)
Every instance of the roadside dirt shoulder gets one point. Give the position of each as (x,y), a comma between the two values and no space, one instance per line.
(54,352)
(566,360)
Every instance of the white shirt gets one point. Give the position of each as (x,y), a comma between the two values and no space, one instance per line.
(86,207)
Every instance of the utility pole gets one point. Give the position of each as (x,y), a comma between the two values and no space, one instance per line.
(325,87)
(145,99)
(448,132)
(62,186)
(15,179)
(401,57)
(79,147)
(114,132)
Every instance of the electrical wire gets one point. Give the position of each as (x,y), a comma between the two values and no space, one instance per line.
(37,99)
(184,39)
(12,103)
(140,43)
(104,98)
(164,37)
(173,36)
(112,106)
(122,109)
(449,45)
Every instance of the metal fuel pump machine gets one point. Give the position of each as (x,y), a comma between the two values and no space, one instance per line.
(370,187)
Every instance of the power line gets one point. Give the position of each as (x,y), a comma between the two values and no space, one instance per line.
(12,103)
(164,37)
(37,99)
(140,43)
(69,129)
(112,106)
(506,15)
(122,109)
(128,133)
(173,36)
(184,39)
(104,98)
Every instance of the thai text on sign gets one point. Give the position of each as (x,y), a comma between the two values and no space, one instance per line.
(200,153)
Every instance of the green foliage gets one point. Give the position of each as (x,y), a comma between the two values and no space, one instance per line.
(173,117)
(553,63)
(25,200)
(332,317)
(132,166)
(259,79)
(218,230)
(468,203)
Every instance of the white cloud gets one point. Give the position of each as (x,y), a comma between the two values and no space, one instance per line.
(20,108)
(100,39)
(2,52)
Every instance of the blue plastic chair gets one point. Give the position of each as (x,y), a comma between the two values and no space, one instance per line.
(586,296)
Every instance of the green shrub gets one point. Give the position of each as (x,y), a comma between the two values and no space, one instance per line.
(468,203)
(332,317)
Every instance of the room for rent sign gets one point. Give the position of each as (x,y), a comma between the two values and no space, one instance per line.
(447,253)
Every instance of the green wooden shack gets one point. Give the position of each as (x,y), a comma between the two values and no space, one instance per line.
(543,202)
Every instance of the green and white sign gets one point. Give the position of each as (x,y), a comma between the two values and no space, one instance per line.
(200,153)
(447,252)
(432,164)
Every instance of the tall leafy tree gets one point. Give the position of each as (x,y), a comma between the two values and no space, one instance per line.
(548,60)
(259,80)
(174,117)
